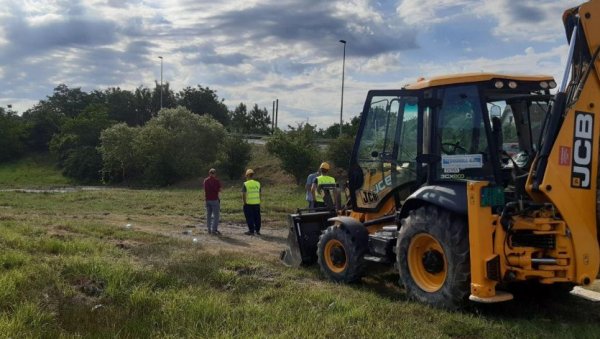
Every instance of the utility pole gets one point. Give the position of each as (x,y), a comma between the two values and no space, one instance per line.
(273,118)
(343,68)
(276,112)
(161,86)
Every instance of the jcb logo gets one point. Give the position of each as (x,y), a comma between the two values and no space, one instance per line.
(581,171)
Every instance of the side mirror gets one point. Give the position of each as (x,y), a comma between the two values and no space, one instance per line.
(374,154)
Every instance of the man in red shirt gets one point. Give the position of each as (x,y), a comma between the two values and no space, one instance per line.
(212,188)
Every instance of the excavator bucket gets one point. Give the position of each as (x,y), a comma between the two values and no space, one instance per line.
(304,231)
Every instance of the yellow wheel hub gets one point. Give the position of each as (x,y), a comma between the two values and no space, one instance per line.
(427,262)
(335,256)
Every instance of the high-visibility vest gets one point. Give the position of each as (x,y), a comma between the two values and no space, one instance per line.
(323,180)
(252,192)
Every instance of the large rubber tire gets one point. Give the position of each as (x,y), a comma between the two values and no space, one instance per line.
(341,253)
(433,257)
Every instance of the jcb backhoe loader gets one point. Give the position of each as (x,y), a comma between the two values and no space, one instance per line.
(470,182)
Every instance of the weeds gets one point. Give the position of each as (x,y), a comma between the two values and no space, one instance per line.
(69,267)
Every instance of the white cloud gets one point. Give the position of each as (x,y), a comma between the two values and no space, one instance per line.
(550,62)
(255,51)
(526,19)
(424,13)
(522,20)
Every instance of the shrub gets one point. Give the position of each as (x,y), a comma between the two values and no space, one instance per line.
(75,146)
(83,163)
(235,156)
(340,151)
(12,134)
(175,145)
(297,151)
(119,161)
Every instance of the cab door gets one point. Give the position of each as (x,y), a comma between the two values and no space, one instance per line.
(384,162)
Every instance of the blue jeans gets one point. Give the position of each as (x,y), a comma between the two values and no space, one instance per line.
(252,214)
(213,209)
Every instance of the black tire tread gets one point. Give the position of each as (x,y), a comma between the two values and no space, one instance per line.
(355,251)
(451,231)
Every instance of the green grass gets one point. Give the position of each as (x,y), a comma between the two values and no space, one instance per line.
(66,276)
(68,268)
(31,172)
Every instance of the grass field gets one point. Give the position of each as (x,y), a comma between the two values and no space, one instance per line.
(69,268)
(32,172)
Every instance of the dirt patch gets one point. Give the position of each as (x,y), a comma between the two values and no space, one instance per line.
(232,238)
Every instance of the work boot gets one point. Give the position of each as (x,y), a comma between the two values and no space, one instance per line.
(257,233)
(249,233)
(216,233)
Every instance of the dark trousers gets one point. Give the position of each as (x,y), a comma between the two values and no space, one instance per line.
(252,214)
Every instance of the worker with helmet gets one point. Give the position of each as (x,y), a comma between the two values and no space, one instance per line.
(309,195)
(251,198)
(317,187)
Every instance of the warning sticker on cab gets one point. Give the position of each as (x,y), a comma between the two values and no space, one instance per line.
(462,161)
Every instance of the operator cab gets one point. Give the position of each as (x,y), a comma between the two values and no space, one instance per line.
(453,128)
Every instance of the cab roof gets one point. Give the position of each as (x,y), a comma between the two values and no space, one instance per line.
(472,77)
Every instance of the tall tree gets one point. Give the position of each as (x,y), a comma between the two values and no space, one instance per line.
(168,97)
(121,105)
(42,123)
(143,105)
(348,128)
(239,119)
(259,120)
(203,100)
(70,102)
(75,145)
(12,134)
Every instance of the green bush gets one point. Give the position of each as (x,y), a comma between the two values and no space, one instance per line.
(297,151)
(175,145)
(340,151)
(75,145)
(235,156)
(119,161)
(83,163)
(12,134)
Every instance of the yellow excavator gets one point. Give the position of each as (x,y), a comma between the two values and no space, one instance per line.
(469,183)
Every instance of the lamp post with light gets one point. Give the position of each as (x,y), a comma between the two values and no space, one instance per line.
(342,101)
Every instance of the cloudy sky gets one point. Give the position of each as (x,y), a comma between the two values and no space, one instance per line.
(255,51)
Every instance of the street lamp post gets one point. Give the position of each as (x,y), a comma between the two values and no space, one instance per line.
(161,86)
(342,101)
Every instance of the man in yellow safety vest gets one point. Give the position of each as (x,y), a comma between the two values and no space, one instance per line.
(323,179)
(251,197)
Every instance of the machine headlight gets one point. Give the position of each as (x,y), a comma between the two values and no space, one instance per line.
(512,84)
(552,84)
(543,84)
(499,84)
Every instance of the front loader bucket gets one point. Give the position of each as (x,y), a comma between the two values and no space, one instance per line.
(303,236)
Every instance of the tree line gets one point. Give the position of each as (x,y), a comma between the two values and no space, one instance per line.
(117,135)
(70,121)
